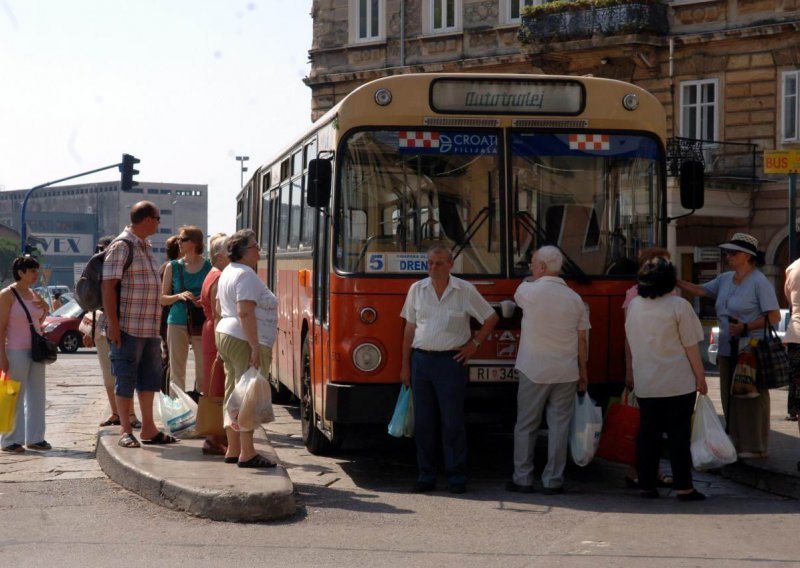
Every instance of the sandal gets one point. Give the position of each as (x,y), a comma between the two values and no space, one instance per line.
(257,461)
(791,418)
(232,459)
(665,480)
(14,449)
(160,439)
(136,424)
(128,441)
(112,420)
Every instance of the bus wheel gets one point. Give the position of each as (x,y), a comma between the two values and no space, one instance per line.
(315,441)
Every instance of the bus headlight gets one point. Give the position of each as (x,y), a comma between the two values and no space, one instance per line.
(367,357)
(630,101)
(383,97)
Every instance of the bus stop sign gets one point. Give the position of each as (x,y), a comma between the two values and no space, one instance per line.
(781,161)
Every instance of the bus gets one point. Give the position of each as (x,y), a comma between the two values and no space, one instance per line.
(493,166)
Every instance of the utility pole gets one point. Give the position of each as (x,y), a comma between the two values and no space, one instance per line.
(242,160)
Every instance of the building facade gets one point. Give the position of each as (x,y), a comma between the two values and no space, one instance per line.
(726,71)
(65,222)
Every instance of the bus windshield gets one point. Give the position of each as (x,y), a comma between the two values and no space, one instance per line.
(595,196)
(403,190)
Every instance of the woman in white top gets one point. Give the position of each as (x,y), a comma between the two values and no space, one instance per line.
(245,333)
(663,333)
(792,339)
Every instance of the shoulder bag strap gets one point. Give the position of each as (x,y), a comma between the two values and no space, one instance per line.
(769,330)
(181,266)
(24,307)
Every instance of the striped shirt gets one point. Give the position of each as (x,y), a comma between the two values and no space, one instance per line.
(140,294)
(442,324)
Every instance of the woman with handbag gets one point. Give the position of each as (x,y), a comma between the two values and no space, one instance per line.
(663,333)
(213,384)
(16,327)
(180,289)
(742,296)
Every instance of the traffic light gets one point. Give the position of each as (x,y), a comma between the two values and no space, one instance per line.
(126,167)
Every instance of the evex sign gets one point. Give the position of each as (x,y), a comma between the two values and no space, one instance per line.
(64,245)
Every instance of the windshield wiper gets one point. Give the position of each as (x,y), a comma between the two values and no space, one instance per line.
(571,267)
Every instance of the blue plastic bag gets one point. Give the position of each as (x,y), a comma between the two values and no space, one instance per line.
(402,423)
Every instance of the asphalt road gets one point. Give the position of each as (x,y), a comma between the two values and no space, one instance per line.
(355,510)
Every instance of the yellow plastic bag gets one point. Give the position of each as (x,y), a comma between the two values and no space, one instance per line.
(9,392)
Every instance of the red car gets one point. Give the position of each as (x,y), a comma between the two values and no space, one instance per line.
(61,327)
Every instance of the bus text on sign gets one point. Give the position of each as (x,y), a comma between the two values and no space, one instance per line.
(781,161)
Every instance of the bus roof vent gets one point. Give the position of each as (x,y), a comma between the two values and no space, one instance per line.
(440,121)
(548,123)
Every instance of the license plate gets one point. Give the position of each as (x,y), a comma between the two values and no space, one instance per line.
(492,374)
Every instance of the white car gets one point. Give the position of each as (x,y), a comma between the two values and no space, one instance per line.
(714,339)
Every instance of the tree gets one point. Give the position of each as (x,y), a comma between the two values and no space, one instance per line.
(9,250)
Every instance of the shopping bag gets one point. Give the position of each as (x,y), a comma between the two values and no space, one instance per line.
(402,423)
(250,403)
(9,393)
(710,446)
(584,430)
(745,374)
(209,407)
(618,440)
(774,369)
(179,414)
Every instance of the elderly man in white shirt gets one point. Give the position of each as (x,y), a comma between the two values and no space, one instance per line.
(437,342)
(551,364)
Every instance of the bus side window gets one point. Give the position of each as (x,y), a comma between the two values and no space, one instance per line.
(283,222)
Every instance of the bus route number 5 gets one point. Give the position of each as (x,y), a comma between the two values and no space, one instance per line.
(376,263)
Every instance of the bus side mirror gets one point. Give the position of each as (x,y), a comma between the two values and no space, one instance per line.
(692,184)
(318,193)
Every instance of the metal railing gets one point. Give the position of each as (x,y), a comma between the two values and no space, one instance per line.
(732,161)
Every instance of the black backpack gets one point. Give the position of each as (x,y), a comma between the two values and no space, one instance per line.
(89,289)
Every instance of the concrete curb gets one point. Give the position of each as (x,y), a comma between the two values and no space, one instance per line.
(763,478)
(180,477)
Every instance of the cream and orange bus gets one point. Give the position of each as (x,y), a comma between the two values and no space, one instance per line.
(493,166)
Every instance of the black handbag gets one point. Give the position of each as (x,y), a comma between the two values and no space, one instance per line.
(42,349)
(774,369)
(195,314)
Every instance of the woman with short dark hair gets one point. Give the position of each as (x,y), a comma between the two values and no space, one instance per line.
(15,356)
(664,333)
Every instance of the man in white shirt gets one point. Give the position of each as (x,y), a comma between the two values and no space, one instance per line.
(437,342)
(551,364)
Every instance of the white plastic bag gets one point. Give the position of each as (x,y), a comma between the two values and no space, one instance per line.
(250,403)
(584,430)
(711,447)
(179,414)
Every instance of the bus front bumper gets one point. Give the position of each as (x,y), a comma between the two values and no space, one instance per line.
(374,404)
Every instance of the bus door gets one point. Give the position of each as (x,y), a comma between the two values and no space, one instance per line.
(266,265)
(321,344)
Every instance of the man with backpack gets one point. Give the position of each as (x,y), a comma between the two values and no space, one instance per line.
(131,293)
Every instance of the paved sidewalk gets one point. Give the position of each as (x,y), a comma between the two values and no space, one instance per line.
(176,476)
(778,473)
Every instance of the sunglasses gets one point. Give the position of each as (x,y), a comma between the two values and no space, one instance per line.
(156,217)
(730,252)
(184,239)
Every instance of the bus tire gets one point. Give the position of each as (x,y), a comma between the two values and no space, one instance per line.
(314,440)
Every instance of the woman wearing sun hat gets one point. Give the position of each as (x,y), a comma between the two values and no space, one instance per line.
(743,295)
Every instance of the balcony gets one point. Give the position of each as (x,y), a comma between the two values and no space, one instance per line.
(566,20)
(732,162)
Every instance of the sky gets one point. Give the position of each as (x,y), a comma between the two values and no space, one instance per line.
(183,85)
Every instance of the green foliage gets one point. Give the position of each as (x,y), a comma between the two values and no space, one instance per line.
(9,250)
(560,6)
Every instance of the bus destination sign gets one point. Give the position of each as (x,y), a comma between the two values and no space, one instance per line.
(521,96)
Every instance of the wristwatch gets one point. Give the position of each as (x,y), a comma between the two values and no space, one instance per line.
(476,343)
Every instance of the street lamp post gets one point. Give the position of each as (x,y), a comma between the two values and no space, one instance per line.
(242,160)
